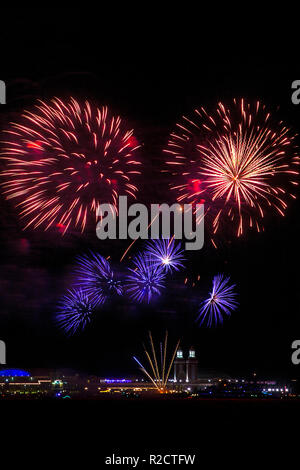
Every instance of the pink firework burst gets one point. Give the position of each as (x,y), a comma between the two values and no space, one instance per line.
(65,158)
(238,161)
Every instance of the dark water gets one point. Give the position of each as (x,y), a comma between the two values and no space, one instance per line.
(226,432)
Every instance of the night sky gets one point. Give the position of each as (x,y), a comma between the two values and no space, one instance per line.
(151,80)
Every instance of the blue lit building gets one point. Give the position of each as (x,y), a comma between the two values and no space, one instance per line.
(14,373)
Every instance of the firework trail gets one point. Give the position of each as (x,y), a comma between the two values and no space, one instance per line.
(64,159)
(75,311)
(221,301)
(145,280)
(158,376)
(238,162)
(96,278)
(165,253)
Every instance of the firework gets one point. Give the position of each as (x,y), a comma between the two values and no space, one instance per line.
(165,253)
(158,375)
(75,311)
(221,301)
(145,280)
(238,161)
(64,159)
(96,278)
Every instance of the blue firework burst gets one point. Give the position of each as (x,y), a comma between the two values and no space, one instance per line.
(221,301)
(166,253)
(145,280)
(74,311)
(96,278)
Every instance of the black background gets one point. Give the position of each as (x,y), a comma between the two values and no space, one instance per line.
(150,73)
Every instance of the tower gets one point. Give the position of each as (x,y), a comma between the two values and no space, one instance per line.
(179,367)
(191,366)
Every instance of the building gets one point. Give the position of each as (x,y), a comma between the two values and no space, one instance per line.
(186,370)
(18,382)
(55,384)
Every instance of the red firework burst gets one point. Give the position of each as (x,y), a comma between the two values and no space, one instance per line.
(238,161)
(64,159)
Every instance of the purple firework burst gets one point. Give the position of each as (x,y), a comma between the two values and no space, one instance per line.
(96,278)
(221,301)
(145,280)
(74,311)
(166,253)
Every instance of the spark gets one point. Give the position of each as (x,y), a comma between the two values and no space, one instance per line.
(158,375)
(240,162)
(165,253)
(96,278)
(221,301)
(74,311)
(66,158)
(145,280)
